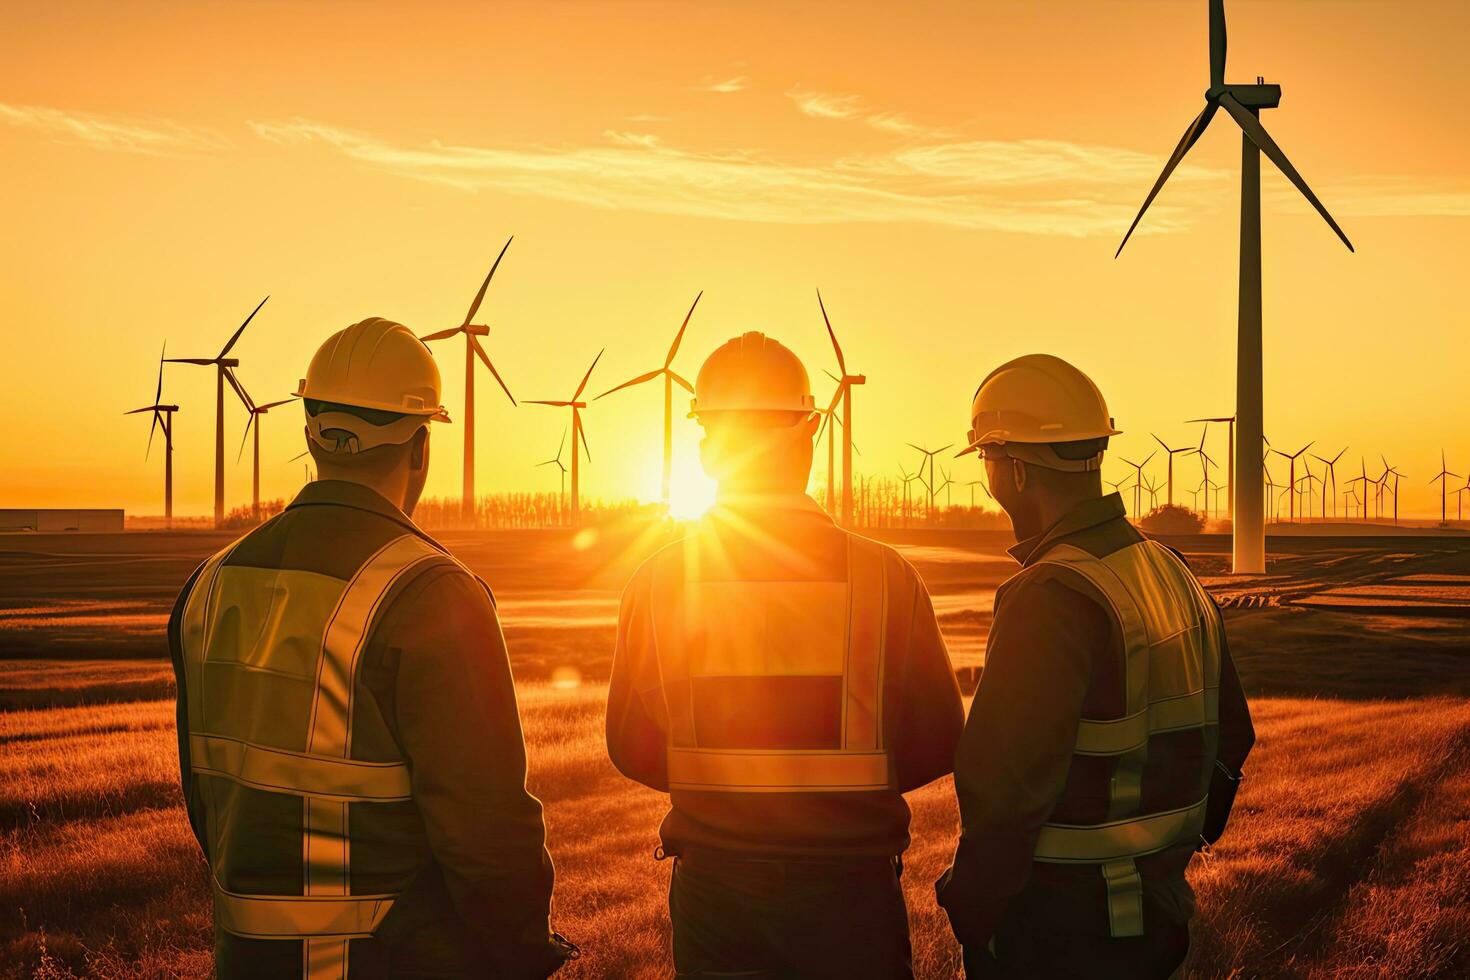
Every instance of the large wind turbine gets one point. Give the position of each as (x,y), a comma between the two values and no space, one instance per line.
(472,349)
(1243,103)
(576,405)
(256,411)
(845,385)
(163,417)
(224,371)
(671,378)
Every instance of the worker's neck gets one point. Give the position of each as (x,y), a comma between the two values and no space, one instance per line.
(1049,509)
(762,484)
(392,487)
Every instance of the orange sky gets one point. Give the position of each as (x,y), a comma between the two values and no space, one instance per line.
(955,180)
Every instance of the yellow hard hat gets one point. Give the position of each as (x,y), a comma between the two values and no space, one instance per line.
(1034,402)
(377,365)
(752,373)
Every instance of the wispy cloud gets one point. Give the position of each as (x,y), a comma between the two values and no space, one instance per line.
(155,136)
(820,105)
(1038,187)
(728,86)
(1380,196)
(824,105)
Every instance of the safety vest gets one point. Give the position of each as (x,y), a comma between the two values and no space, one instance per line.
(1172,642)
(716,631)
(270,659)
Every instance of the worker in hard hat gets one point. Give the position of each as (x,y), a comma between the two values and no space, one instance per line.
(350,748)
(1109,729)
(785,682)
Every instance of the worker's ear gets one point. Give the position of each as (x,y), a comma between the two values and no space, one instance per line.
(810,426)
(1018,474)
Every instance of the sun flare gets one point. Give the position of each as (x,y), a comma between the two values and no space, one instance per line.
(691,491)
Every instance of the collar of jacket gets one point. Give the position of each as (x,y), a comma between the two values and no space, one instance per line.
(759,502)
(1088,514)
(342,493)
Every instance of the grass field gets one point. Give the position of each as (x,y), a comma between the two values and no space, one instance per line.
(1349,854)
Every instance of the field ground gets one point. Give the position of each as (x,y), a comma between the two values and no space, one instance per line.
(1349,854)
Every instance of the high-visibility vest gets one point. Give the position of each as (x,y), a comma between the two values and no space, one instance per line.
(711,629)
(1172,641)
(270,659)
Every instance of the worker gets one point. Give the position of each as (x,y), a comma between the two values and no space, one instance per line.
(1108,732)
(349,742)
(786,683)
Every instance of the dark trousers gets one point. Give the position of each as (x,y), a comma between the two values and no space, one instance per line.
(799,919)
(1041,955)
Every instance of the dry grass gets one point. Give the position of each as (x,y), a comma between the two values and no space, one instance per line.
(1350,852)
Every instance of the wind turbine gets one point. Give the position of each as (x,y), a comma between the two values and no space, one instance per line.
(1394,472)
(671,378)
(945,486)
(929,483)
(1442,478)
(472,349)
(256,411)
(1362,498)
(972,485)
(223,365)
(844,394)
(1243,103)
(1172,453)
(1138,482)
(1459,502)
(909,478)
(1229,459)
(163,417)
(576,406)
(1153,493)
(561,497)
(1331,480)
(1291,473)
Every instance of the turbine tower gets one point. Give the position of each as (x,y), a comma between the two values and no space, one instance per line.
(472,349)
(224,371)
(576,405)
(845,385)
(671,378)
(1244,104)
(1185,451)
(163,417)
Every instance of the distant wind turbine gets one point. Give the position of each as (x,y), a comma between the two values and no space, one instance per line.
(224,366)
(1243,103)
(845,384)
(1138,482)
(1330,481)
(576,405)
(163,417)
(472,349)
(256,411)
(1291,473)
(1229,459)
(929,454)
(671,378)
(561,498)
(1184,451)
(1442,478)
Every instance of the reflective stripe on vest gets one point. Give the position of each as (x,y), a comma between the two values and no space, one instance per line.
(291,642)
(1172,638)
(833,629)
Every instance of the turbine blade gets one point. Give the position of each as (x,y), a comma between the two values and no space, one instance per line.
(140,411)
(475,306)
(1258,135)
(679,337)
(1162,443)
(158,395)
(1190,137)
(239,390)
(538,401)
(561,445)
(270,405)
(582,431)
(441,334)
(485,359)
(149,451)
(189,360)
(636,381)
(841,364)
(583,385)
(242,328)
(681,382)
(1217,43)
(241,454)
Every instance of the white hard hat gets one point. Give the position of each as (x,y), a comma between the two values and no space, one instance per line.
(1029,404)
